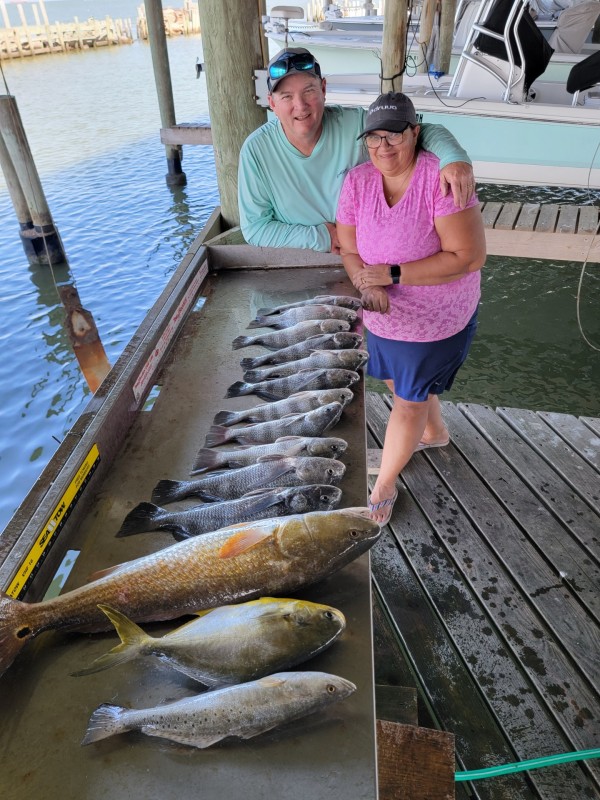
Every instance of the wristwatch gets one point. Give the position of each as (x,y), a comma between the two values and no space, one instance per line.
(395,272)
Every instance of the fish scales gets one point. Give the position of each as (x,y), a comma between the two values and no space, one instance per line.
(303,313)
(326,359)
(344,340)
(307,380)
(275,556)
(233,483)
(255,505)
(300,402)
(274,340)
(311,423)
(324,446)
(242,711)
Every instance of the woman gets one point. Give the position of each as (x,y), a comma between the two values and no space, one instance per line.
(415,258)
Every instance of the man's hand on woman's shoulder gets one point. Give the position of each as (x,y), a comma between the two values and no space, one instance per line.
(458,177)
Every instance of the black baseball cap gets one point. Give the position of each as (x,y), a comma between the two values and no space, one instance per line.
(392,111)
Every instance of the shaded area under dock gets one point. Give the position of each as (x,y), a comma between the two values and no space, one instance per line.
(486,592)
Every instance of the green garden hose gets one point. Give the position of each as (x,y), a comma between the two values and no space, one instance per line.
(521,766)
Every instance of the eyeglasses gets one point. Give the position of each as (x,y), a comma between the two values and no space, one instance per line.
(293,61)
(393,139)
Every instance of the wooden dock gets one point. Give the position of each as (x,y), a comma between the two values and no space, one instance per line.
(486,587)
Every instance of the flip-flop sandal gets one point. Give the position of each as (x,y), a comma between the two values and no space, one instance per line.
(388,503)
(427,445)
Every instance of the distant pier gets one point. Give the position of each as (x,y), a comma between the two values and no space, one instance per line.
(39,36)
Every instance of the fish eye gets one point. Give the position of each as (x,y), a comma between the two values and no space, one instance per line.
(329,614)
(324,498)
(354,534)
(330,471)
(331,688)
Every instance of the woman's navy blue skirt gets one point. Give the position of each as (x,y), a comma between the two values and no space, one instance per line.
(419,369)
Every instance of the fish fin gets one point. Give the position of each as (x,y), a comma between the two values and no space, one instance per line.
(242,341)
(260,322)
(271,681)
(262,491)
(238,389)
(194,740)
(104,722)
(225,418)
(218,434)
(103,573)
(243,541)
(274,457)
(209,498)
(168,491)
(143,518)
(266,312)
(13,635)
(265,394)
(132,638)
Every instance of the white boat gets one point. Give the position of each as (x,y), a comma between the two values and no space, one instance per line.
(353,44)
(518,129)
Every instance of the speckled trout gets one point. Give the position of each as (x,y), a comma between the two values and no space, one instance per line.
(249,560)
(299,403)
(327,359)
(326,299)
(303,313)
(230,644)
(274,340)
(242,711)
(344,340)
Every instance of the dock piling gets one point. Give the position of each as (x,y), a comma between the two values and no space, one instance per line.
(162,77)
(41,241)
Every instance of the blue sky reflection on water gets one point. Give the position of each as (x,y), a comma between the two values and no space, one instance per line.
(92,121)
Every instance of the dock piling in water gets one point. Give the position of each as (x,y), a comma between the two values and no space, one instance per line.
(40,238)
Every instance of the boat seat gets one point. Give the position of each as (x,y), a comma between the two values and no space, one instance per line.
(584,76)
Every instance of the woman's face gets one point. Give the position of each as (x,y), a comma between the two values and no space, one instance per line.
(393,158)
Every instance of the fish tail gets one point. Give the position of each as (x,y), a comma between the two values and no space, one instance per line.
(218,434)
(206,460)
(265,312)
(13,634)
(132,638)
(104,722)
(144,517)
(225,418)
(242,341)
(252,376)
(249,363)
(259,322)
(168,491)
(238,389)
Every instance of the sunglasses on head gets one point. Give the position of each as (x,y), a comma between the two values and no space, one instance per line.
(293,61)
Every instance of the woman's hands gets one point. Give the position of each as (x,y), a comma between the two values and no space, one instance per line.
(375,298)
(374,275)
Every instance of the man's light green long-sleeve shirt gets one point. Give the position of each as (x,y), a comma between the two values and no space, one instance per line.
(285,198)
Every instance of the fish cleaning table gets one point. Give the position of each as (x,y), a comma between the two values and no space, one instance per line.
(45,711)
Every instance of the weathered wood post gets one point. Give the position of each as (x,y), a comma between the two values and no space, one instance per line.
(231,54)
(394,45)
(19,202)
(425,30)
(448,12)
(162,77)
(44,244)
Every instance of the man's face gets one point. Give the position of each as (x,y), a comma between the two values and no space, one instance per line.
(298,102)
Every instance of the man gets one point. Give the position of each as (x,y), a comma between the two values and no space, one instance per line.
(576,19)
(292,168)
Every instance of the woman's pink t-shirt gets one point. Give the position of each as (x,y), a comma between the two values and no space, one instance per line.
(406,232)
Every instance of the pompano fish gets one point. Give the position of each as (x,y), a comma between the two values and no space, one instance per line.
(259,504)
(230,644)
(275,556)
(303,313)
(306,380)
(243,711)
(298,403)
(326,341)
(272,471)
(327,359)
(275,340)
(323,299)
(325,447)
(310,423)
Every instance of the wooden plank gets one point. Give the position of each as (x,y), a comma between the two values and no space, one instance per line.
(508,217)
(551,246)
(588,220)
(592,422)
(562,551)
(187,133)
(373,460)
(414,763)
(567,219)
(574,514)
(396,703)
(563,459)
(490,214)
(547,219)
(527,217)
(576,434)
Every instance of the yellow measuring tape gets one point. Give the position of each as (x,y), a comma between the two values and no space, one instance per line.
(47,536)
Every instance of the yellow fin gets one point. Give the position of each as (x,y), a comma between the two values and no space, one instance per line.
(240,542)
